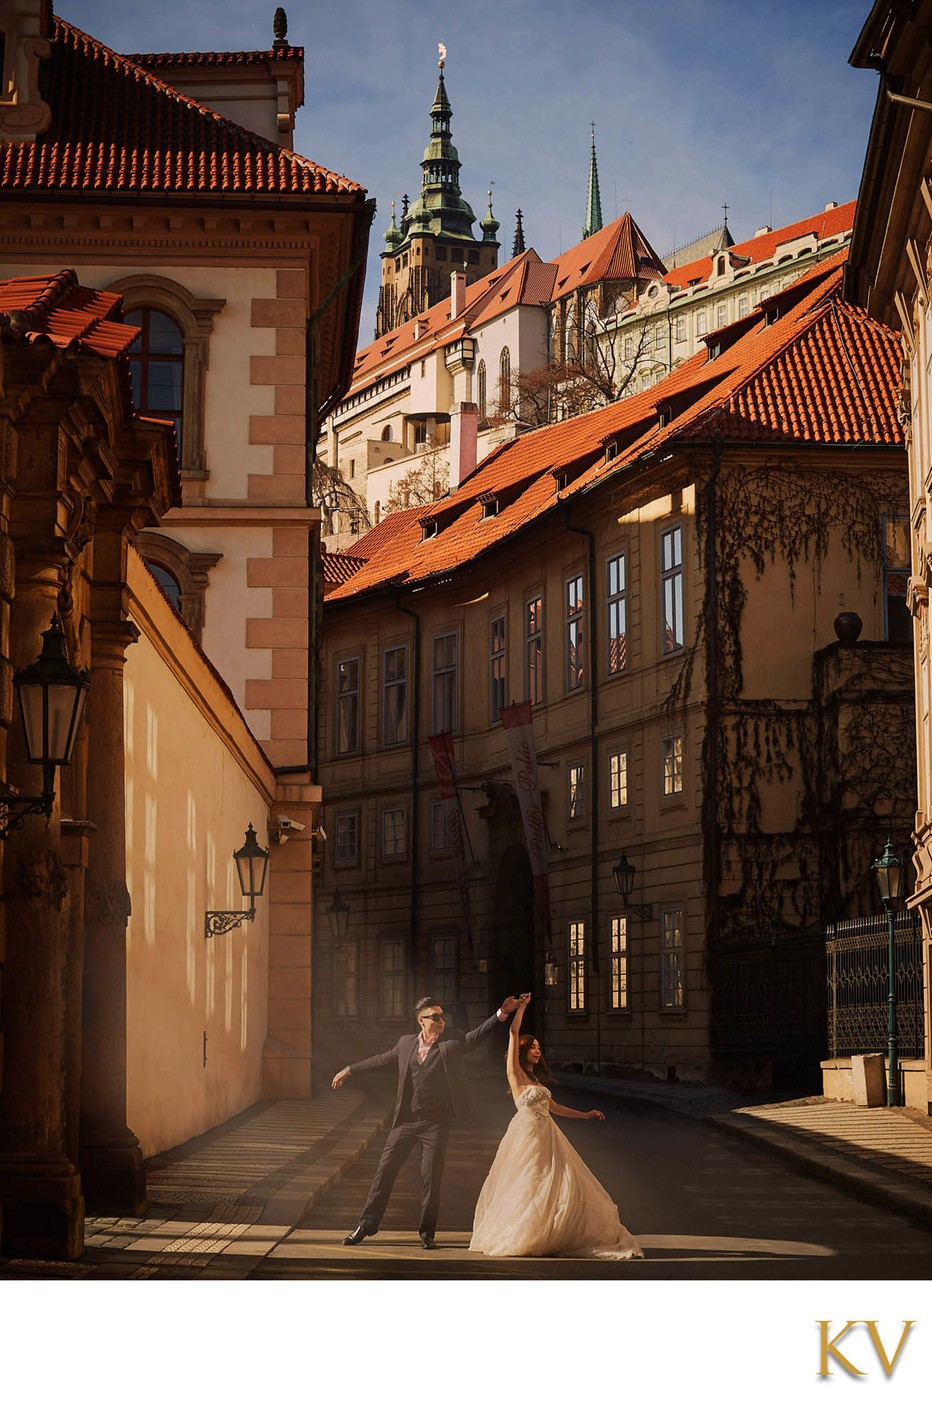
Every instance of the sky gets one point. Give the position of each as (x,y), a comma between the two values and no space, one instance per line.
(696,103)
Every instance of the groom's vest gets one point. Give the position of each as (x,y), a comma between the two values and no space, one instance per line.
(427,1092)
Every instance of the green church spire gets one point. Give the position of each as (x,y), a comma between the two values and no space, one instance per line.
(441,208)
(593,201)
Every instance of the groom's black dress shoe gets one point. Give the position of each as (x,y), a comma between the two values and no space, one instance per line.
(358,1235)
(427,1240)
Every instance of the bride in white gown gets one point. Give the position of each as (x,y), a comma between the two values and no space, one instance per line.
(540,1199)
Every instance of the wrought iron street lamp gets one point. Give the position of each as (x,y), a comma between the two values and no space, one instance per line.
(623,873)
(51,695)
(551,970)
(889,874)
(338,917)
(252,864)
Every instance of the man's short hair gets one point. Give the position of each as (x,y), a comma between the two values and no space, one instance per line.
(425,1001)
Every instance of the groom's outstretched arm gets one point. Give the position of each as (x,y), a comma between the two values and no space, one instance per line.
(374,1062)
(472,1038)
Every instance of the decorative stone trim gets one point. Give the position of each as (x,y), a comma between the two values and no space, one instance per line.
(195,316)
(191,570)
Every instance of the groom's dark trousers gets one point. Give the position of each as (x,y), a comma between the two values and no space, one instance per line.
(430,1096)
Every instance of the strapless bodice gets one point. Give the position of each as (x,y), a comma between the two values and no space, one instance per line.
(536,1100)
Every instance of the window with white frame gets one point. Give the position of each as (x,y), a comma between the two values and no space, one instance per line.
(616,602)
(443,816)
(576,965)
(673,765)
(742,307)
(445,688)
(575,655)
(629,347)
(721,315)
(345,999)
(702,322)
(617,779)
(764,293)
(394,831)
(395,695)
(393,978)
(681,328)
(346,837)
(348,705)
(618,964)
(671,588)
(497,668)
(576,796)
(658,336)
(673,962)
(443,968)
(534,646)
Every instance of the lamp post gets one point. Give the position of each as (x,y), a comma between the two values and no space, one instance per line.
(252,863)
(51,696)
(889,873)
(338,917)
(623,873)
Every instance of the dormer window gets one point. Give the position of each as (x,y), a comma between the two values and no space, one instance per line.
(489,505)
(560,478)
(611,450)
(429,528)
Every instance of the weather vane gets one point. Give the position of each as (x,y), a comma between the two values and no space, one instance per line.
(442,51)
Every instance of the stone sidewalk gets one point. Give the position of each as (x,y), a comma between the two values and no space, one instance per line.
(222,1203)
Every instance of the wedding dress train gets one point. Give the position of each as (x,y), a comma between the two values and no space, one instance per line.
(540,1199)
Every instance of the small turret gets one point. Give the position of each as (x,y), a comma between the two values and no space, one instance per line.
(489,225)
(519,245)
(393,236)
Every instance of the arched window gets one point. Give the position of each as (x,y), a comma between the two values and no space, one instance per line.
(504,379)
(156,361)
(388,436)
(183,575)
(481,392)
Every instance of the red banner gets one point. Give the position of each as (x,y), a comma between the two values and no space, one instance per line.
(441,747)
(519,732)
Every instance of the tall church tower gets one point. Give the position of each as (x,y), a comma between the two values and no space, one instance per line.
(436,233)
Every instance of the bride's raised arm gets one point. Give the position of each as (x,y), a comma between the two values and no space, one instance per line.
(516,1076)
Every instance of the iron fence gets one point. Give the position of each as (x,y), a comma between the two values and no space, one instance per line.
(856,958)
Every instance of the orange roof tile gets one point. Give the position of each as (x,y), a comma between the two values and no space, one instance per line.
(215,57)
(618,252)
(337,566)
(117,128)
(836,222)
(810,368)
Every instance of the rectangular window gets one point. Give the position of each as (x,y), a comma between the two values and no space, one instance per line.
(616,597)
(393,978)
(681,328)
(346,838)
(720,315)
(702,323)
(534,638)
(574,633)
(673,764)
(497,670)
(577,791)
(394,832)
(671,588)
(673,965)
(576,954)
(395,696)
(742,307)
(444,683)
(618,986)
(443,815)
(897,621)
(443,969)
(344,981)
(348,705)
(629,348)
(617,780)
(658,336)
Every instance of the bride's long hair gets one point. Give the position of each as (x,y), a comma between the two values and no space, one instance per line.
(539,1072)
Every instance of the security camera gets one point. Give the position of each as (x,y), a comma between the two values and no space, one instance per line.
(290,825)
(320,833)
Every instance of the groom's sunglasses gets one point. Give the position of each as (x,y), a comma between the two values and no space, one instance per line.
(437,1016)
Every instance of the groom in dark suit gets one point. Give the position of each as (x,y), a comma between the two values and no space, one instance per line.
(432,1092)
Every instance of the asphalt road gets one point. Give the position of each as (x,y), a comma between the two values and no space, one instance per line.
(702,1205)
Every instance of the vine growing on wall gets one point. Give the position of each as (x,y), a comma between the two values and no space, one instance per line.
(751,518)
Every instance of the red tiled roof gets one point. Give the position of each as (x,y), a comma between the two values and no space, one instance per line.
(618,252)
(525,280)
(117,128)
(58,310)
(338,566)
(836,222)
(810,369)
(215,57)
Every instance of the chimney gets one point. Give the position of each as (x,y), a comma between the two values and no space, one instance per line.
(457,293)
(830,206)
(464,434)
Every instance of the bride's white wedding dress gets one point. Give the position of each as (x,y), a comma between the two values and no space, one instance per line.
(540,1199)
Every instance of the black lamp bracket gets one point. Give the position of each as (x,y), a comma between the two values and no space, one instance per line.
(646,913)
(217,923)
(16,808)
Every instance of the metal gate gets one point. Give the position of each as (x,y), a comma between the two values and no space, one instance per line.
(857,971)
